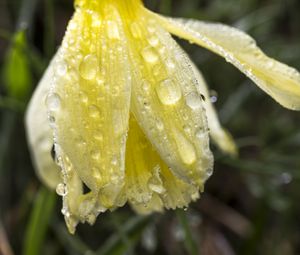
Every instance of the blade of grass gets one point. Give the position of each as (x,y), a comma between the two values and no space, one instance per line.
(39,222)
(72,243)
(133,229)
(189,241)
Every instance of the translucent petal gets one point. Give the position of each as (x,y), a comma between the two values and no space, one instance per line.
(220,136)
(39,134)
(163,80)
(88,106)
(150,184)
(277,79)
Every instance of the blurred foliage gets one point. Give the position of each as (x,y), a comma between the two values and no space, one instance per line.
(251,204)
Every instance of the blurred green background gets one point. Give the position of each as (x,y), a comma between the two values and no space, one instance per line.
(251,203)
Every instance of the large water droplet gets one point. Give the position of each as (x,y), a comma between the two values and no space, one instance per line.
(185,148)
(149,55)
(53,102)
(193,100)
(168,92)
(88,67)
(61,189)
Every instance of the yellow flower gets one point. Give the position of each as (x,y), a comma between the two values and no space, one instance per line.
(128,112)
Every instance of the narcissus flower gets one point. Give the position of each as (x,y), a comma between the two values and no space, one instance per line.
(127,112)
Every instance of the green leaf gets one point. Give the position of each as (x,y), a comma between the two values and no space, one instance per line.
(17,74)
(39,222)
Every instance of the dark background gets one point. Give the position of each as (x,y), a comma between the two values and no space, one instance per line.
(251,203)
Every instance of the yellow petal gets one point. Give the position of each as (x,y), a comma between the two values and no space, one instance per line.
(220,136)
(150,184)
(39,134)
(167,105)
(88,106)
(277,79)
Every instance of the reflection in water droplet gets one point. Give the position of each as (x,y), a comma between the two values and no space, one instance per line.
(168,92)
(53,102)
(88,67)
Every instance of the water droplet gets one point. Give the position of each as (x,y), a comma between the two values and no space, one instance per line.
(170,65)
(159,125)
(98,136)
(53,102)
(153,41)
(83,97)
(97,174)
(94,111)
(112,30)
(88,67)
(61,68)
(61,189)
(150,55)
(193,100)
(168,92)
(114,160)
(95,154)
(145,86)
(185,148)
(96,20)
(51,121)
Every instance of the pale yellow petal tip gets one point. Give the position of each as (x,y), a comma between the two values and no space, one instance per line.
(226,143)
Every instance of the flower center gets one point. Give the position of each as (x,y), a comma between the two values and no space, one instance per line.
(125,7)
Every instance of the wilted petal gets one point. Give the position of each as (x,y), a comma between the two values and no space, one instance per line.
(167,104)
(277,79)
(88,105)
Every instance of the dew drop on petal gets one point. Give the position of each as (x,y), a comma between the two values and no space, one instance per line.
(61,189)
(61,68)
(94,111)
(95,154)
(186,149)
(53,102)
(168,92)
(153,40)
(193,100)
(88,67)
(149,55)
